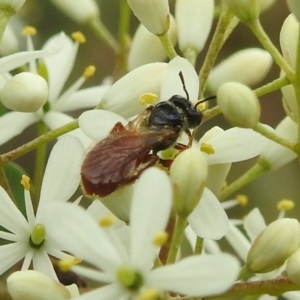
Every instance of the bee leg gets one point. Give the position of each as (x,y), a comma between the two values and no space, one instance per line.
(188,133)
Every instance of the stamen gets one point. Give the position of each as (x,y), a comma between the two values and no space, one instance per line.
(25,181)
(79,37)
(160,238)
(285,205)
(206,148)
(66,264)
(151,294)
(29,30)
(242,200)
(107,221)
(89,71)
(37,237)
(147,98)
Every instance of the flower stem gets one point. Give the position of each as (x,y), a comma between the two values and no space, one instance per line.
(263,38)
(5,184)
(214,48)
(47,137)
(272,86)
(260,128)
(167,44)
(199,245)
(101,31)
(246,178)
(176,239)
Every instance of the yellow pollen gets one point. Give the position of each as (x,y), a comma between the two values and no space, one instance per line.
(201,106)
(285,205)
(206,148)
(66,264)
(151,294)
(89,71)
(147,98)
(25,181)
(79,37)
(160,238)
(242,200)
(29,30)
(107,221)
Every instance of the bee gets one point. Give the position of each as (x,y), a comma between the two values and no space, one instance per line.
(127,151)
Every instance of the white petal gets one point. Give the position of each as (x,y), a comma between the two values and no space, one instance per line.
(62,175)
(209,219)
(13,123)
(82,99)
(203,275)
(97,124)
(42,263)
(78,228)
(10,216)
(60,63)
(216,177)
(254,224)
(235,144)
(11,254)
(123,96)
(55,119)
(150,211)
(171,83)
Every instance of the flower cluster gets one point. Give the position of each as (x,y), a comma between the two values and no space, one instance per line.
(131,203)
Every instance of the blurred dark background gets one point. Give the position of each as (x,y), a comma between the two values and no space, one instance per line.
(263,192)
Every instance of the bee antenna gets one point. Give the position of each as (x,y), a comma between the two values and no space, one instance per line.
(183,84)
(205,99)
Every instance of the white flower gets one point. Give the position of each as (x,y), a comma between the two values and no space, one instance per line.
(25,92)
(151,205)
(9,43)
(248,66)
(21,232)
(294,8)
(59,65)
(153,14)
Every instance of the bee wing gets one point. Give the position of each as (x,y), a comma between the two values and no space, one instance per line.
(119,159)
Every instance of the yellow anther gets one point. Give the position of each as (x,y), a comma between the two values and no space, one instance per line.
(29,30)
(160,238)
(147,98)
(79,37)
(66,264)
(151,294)
(242,200)
(25,181)
(89,71)
(285,205)
(201,106)
(206,148)
(107,221)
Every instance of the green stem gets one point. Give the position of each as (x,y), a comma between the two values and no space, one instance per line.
(40,161)
(272,86)
(246,178)
(199,245)
(260,128)
(167,44)
(5,184)
(214,48)
(49,136)
(274,287)
(6,12)
(176,239)
(210,113)
(263,38)
(101,31)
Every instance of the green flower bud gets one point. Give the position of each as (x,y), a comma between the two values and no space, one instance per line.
(293,267)
(273,246)
(238,104)
(245,10)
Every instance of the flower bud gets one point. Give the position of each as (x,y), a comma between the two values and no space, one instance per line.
(80,11)
(248,66)
(147,48)
(245,10)
(123,96)
(153,14)
(274,245)
(239,104)
(293,267)
(275,155)
(188,175)
(194,19)
(294,8)
(32,285)
(14,4)
(25,92)
(9,42)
